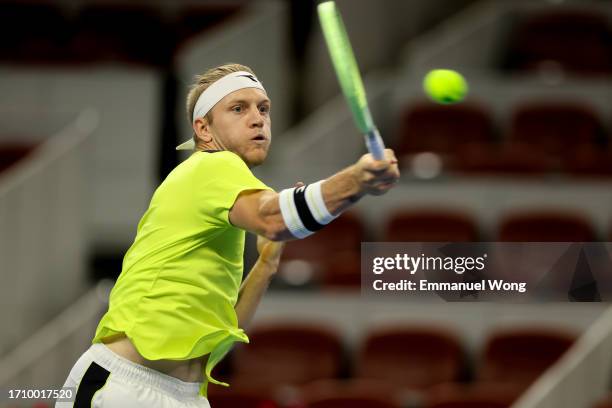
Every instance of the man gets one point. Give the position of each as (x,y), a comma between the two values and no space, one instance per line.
(178,305)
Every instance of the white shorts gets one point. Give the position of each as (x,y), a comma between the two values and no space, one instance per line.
(104,379)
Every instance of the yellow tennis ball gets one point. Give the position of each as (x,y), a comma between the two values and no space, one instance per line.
(445,86)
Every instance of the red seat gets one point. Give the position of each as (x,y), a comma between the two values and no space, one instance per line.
(108,32)
(555,128)
(589,161)
(576,41)
(198,18)
(520,355)
(244,395)
(545,226)
(355,393)
(511,159)
(342,271)
(477,395)
(442,128)
(288,354)
(412,356)
(430,225)
(33,32)
(340,239)
(343,234)
(235,399)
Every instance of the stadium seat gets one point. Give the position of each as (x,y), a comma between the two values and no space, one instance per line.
(195,19)
(589,161)
(412,356)
(322,252)
(520,355)
(510,159)
(545,226)
(343,234)
(430,225)
(476,395)
(342,271)
(245,395)
(576,41)
(354,393)
(288,354)
(121,32)
(442,128)
(555,128)
(33,32)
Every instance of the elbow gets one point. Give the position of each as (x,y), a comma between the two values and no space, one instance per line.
(272,225)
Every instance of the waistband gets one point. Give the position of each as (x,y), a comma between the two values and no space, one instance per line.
(127,369)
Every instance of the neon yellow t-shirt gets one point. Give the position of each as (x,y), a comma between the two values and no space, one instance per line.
(176,293)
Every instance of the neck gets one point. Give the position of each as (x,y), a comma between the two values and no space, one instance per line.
(212,145)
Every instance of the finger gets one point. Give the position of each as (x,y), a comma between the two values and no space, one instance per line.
(390,154)
(391,173)
(395,171)
(378,166)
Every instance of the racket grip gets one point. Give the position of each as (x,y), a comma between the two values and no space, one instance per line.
(375,144)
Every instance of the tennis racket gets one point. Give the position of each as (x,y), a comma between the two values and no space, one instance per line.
(347,71)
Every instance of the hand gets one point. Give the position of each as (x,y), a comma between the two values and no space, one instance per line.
(376,177)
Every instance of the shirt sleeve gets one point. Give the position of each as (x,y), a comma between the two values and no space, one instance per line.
(226,175)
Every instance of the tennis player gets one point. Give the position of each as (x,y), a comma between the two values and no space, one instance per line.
(179,305)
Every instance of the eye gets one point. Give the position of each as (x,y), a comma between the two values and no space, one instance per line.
(237,108)
(264,109)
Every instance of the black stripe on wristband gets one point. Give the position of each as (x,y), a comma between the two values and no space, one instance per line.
(299,197)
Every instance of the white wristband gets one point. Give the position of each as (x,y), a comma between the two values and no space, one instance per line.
(290,214)
(316,204)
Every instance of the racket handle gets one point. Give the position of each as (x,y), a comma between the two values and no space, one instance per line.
(375,144)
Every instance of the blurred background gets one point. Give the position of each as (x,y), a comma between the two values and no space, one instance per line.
(92,96)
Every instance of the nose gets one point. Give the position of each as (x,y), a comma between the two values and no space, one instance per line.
(255,118)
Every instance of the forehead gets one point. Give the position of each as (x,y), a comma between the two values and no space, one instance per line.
(246,94)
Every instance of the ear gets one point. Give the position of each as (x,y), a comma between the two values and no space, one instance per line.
(201,128)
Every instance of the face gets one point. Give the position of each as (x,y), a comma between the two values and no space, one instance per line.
(241,124)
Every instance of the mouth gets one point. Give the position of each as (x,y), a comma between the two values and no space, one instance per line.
(259,138)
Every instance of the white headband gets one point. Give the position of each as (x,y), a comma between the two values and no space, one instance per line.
(217,91)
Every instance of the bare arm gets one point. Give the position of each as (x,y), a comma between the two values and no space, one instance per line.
(256,283)
(259,211)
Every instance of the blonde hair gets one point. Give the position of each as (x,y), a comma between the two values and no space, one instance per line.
(203,81)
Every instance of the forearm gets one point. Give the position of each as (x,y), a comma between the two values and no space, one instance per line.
(341,190)
(253,289)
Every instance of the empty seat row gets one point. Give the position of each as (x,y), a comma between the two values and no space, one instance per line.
(438,224)
(411,358)
(542,137)
(574,41)
(332,257)
(364,393)
(44,32)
